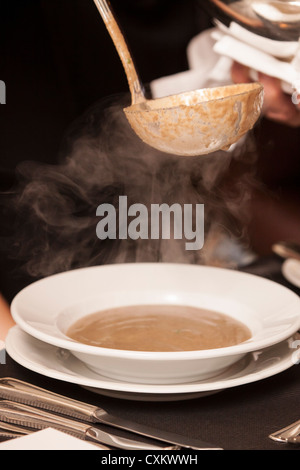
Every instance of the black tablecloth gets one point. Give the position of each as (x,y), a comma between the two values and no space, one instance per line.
(240,418)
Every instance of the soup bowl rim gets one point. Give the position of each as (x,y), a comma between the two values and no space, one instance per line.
(52,335)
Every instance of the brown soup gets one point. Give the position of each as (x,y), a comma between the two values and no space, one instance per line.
(159,328)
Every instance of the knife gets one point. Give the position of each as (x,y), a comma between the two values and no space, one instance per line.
(23,392)
(11,431)
(29,417)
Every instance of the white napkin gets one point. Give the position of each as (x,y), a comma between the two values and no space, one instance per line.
(47,439)
(279,59)
(211,54)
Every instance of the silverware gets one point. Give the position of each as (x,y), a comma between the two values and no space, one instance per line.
(12,431)
(287,250)
(289,434)
(6,435)
(23,415)
(256,16)
(294,440)
(22,392)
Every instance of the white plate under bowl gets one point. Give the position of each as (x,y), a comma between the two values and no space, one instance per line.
(51,361)
(271,311)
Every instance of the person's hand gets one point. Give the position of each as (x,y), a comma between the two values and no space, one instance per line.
(278,106)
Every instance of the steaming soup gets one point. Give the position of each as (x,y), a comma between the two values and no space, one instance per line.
(159,328)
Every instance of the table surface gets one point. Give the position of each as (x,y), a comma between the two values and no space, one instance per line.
(240,418)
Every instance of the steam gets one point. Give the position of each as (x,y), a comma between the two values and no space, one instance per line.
(102,159)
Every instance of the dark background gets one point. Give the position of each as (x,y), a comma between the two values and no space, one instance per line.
(57,59)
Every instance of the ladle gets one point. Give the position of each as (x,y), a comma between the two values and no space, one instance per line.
(274,19)
(281,17)
(191,123)
(278,11)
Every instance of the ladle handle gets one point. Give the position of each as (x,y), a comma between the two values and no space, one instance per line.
(227,9)
(135,86)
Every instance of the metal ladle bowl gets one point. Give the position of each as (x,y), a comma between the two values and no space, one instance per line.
(274,19)
(281,17)
(191,123)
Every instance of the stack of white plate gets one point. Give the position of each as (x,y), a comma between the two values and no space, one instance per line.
(44,310)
